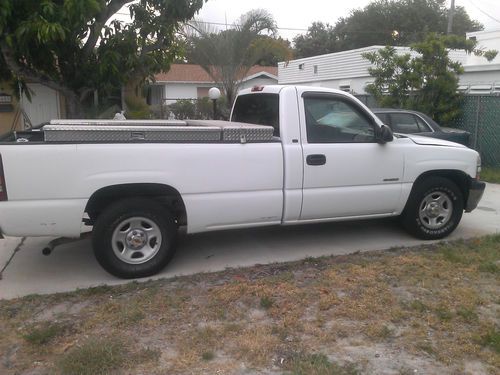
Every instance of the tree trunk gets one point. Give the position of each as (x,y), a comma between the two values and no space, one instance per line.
(74,108)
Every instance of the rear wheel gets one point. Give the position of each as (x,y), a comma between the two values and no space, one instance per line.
(434,208)
(134,238)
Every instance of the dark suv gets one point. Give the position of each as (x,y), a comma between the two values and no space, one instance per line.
(413,122)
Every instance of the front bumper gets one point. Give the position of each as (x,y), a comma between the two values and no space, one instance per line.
(476,191)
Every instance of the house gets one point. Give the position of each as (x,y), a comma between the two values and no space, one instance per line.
(189,81)
(45,104)
(348,70)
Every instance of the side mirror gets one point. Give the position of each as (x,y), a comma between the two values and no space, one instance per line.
(384,135)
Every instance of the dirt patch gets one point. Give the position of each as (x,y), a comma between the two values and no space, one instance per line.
(431,309)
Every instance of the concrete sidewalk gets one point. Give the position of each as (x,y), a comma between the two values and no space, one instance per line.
(73,266)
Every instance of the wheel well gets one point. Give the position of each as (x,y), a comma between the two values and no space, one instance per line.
(461,179)
(165,195)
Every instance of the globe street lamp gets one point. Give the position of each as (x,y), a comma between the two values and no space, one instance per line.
(214,94)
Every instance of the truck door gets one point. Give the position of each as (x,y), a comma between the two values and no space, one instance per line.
(346,172)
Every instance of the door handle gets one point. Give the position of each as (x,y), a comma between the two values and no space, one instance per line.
(316,159)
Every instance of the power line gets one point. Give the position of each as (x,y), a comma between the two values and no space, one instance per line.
(384,32)
(482,11)
(233,24)
(224,24)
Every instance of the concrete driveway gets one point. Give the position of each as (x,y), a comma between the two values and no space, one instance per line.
(72,266)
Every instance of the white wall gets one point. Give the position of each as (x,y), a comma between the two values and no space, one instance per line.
(470,78)
(340,65)
(350,68)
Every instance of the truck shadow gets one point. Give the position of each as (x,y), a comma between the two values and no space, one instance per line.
(73,266)
(243,247)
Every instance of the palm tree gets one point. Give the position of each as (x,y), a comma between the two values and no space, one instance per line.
(228,55)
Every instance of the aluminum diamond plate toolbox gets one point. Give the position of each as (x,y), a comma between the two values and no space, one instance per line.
(247,134)
(119,122)
(111,133)
(237,131)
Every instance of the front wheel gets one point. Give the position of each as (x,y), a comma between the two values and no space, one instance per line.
(434,209)
(134,238)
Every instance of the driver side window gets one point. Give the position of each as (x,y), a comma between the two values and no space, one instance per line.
(334,120)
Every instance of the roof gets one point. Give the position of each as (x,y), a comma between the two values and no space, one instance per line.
(195,73)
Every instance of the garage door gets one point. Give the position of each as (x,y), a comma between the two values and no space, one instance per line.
(44,105)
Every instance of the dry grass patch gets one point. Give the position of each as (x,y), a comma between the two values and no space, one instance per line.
(437,304)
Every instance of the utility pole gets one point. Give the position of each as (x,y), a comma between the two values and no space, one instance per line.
(450,17)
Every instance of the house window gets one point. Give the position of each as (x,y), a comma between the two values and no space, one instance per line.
(315,69)
(302,66)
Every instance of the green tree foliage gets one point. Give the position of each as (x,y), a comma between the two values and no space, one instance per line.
(228,55)
(427,82)
(320,39)
(384,22)
(73,46)
(272,50)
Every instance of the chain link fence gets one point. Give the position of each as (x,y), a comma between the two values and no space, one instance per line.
(481,117)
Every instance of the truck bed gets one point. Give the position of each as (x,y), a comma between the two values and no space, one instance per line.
(113,131)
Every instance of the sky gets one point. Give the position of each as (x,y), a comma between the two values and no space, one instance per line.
(299,15)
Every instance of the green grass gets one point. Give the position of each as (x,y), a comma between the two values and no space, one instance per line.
(96,356)
(41,335)
(266,302)
(426,347)
(467,314)
(444,314)
(208,356)
(492,339)
(491,174)
(318,364)
(489,267)
(418,306)
(129,315)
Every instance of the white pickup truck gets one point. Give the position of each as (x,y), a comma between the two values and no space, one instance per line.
(312,155)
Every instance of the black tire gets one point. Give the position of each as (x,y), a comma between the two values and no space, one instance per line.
(415,217)
(119,212)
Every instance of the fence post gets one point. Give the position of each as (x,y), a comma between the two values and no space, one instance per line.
(476,128)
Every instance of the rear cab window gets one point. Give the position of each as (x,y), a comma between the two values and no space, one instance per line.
(258,109)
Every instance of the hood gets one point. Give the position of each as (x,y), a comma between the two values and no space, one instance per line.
(428,141)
